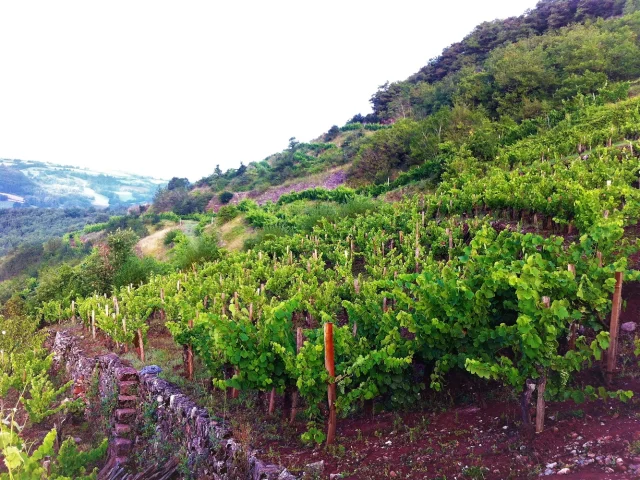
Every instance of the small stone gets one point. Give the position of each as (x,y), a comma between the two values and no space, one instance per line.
(151,370)
(619,461)
(388,442)
(285,475)
(573,435)
(628,326)
(549,471)
(552,465)
(393,474)
(564,471)
(609,470)
(335,476)
(505,427)
(314,469)
(555,429)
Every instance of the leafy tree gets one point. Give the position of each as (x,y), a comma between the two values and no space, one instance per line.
(225,197)
(178,183)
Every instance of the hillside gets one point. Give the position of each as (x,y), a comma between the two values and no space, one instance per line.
(507,81)
(445,288)
(39,184)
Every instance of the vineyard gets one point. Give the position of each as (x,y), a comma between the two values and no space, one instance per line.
(461,305)
(510,277)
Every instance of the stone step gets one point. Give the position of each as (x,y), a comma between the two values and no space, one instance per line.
(126,415)
(122,430)
(127,401)
(127,374)
(129,387)
(122,446)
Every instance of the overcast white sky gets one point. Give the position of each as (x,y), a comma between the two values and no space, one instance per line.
(173,88)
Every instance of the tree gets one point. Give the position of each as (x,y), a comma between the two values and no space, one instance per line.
(333,132)
(178,183)
(631,6)
(293,144)
(225,197)
(241,169)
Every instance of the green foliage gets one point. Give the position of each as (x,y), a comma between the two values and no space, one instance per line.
(170,237)
(225,197)
(67,463)
(43,398)
(37,225)
(188,252)
(71,462)
(313,436)
(227,213)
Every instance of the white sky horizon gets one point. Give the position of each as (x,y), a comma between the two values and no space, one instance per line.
(170,89)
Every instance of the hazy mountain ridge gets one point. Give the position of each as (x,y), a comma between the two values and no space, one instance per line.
(40,184)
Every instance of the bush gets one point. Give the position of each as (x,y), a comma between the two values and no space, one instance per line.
(227,213)
(170,237)
(198,250)
(225,197)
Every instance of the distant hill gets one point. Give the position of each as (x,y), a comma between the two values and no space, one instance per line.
(40,184)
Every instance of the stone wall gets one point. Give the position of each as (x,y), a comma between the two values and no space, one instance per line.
(210,450)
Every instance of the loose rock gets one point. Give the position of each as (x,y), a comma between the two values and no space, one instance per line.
(628,327)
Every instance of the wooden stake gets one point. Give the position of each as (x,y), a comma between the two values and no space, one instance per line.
(614,327)
(235,393)
(93,324)
(540,406)
(331,389)
(272,401)
(542,385)
(573,330)
(190,356)
(141,343)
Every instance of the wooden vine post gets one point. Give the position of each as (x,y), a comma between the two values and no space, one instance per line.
(331,389)
(73,311)
(93,324)
(614,327)
(116,307)
(295,396)
(573,329)
(190,355)
(272,401)
(542,385)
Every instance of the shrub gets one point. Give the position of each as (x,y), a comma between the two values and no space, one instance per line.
(227,213)
(225,197)
(170,237)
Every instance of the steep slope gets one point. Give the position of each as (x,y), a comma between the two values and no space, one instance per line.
(507,81)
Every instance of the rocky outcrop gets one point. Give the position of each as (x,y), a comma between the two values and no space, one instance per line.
(209,448)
